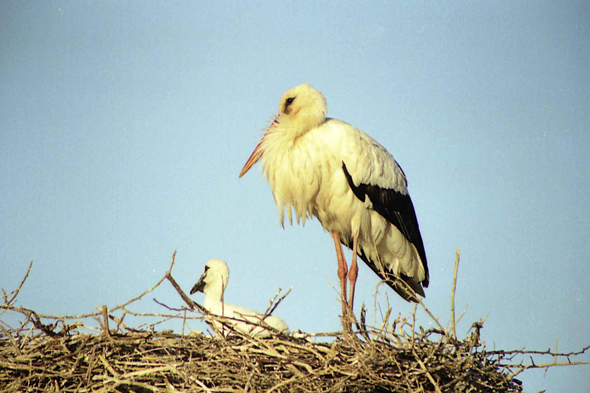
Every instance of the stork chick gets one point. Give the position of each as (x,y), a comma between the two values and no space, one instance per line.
(213,283)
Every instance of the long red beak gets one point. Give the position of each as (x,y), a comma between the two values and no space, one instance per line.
(257,153)
(254,157)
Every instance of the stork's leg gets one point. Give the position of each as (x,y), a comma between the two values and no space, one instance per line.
(342,271)
(353,273)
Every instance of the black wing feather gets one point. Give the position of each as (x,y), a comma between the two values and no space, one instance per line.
(397,209)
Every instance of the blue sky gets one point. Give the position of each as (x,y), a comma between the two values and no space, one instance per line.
(123,127)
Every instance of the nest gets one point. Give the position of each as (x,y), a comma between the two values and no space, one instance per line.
(52,354)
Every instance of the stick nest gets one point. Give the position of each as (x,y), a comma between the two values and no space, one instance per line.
(160,362)
(52,354)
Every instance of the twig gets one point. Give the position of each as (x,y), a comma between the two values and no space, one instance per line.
(273,306)
(201,384)
(108,366)
(428,375)
(120,321)
(105,319)
(182,294)
(547,352)
(17,290)
(523,367)
(14,344)
(149,290)
(453,294)
(554,356)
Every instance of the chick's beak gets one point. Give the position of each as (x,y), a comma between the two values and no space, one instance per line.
(199,286)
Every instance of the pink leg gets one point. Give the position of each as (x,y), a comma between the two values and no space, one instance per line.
(342,271)
(353,273)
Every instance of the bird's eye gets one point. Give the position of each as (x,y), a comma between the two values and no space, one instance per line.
(288,103)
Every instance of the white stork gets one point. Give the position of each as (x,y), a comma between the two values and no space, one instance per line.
(212,283)
(325,168)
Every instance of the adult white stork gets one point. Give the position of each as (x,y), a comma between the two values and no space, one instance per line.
(325,168)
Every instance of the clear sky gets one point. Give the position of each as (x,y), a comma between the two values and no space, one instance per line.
(124,125)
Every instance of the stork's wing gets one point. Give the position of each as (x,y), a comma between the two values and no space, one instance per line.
(398,283)
(397,208)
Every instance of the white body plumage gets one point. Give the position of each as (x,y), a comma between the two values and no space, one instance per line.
(213,283)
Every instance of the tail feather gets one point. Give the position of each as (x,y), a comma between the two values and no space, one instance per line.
(405,286)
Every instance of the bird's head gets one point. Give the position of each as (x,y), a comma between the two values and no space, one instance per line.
(301,108)
(214,279)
